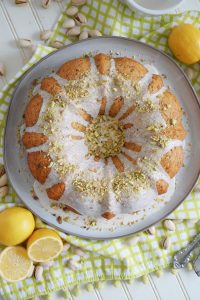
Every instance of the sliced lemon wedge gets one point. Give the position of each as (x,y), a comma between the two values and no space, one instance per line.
(15,264)
(43,245)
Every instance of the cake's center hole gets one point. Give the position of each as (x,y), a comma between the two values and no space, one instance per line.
(104,137)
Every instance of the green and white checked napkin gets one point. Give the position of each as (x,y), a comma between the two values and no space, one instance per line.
(115,259)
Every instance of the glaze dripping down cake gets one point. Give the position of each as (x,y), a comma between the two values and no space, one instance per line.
(104,136)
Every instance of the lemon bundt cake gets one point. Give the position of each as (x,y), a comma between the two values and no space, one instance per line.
(104,136)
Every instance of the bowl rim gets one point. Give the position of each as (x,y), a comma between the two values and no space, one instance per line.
(134,5)
(6,161)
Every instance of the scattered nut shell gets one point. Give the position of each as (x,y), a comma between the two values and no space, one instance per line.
(78,2)
(48,264)
(69,23)
(73,265)
(56,44)
(45,35)
(46,3)
(39,273)
(21,2)
(169,225)
(190,73)
(133,241)
(83,35)
(94,32)
(31,271)
(3,191)
(80,252)
(2,170)
(74,31)
(80,19)
(166,243)
(72,11)
(25,43)
(151,230)
(66,247)
(177,221)
(3,180)
(2,69)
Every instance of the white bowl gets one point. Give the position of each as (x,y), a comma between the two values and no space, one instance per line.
(154,7)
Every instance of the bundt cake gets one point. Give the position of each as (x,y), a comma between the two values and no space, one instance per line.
(104,136)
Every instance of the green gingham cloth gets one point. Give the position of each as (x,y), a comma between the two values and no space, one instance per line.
(115,259)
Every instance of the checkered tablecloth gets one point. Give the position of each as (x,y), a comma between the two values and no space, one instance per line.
(114,259)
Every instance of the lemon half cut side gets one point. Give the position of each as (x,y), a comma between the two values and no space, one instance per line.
(44,245)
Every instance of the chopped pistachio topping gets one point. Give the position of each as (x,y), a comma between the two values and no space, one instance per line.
(128,183)
(155,127)
(49,125)
(122,84)
(104,137)
(137,88)
(94,188)
(150,164)
(101,82)
(77,89)
(60,165)
(59,100)
(49,115)
(146,106)
(160,141)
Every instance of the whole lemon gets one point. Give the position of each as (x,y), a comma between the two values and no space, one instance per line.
(16,225)
(184,42)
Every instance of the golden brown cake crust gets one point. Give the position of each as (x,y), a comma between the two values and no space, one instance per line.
(33,139)
(56,191)
(161,186)
(176,132)
(170,107)
(102,62)
(116,106)
(172,114)
(33,110)
(118,164)
(38,163)
(50,85)
(172,161)
(129,68)
(156,84)
(74,69)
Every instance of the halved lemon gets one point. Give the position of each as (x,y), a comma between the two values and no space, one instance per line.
(43,245)
(15,264)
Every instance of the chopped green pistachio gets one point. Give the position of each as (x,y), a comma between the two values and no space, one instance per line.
(129,182)
(146,106)
(160,141)
(77,89)
(93,188)
(154,127)
(104,137)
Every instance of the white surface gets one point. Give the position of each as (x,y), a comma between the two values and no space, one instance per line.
(26,22)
